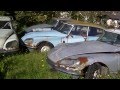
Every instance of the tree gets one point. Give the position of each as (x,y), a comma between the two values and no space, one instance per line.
(2,13)
(28,18)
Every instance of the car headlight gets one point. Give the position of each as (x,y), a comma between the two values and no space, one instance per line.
(28,41)
(12,45)
(73,64)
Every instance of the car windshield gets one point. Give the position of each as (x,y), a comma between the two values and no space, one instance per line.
(109,37)
(53,22)
(65,28)
(58,26)
(4,25)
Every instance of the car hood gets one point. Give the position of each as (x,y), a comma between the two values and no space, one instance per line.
(4,34)
(65,50)
(38,27)
(52,33)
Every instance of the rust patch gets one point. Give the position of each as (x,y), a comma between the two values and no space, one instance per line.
(82,60)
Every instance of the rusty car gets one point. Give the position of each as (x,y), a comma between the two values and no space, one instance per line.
(9,41)
(89,59)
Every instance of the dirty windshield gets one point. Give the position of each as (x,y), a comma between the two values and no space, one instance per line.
(58,26)
(109,37)
(4,25)
(65,28)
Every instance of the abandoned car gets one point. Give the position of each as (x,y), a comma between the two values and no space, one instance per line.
(9,41)
(90,59)
(53,24)
(70,32)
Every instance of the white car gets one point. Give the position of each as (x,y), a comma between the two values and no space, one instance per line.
(9,41)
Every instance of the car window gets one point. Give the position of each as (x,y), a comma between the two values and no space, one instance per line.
(58,25)
(93,31)
(5,25)
(84,30)
(74,31)
(65,28)
(117,39)
(77,30)
(108,37)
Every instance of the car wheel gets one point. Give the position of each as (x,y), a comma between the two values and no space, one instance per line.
(75,77)
(44,47)
(95,71)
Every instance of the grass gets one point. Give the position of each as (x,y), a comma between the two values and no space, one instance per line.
(29,66)
(33,66)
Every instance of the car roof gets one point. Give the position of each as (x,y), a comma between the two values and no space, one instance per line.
(117,31)
(75,22)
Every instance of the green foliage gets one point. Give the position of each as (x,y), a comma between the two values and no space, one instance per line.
(29,66)
(28,18)
(34,66)
(25,19)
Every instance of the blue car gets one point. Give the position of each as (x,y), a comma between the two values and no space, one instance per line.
(70,32)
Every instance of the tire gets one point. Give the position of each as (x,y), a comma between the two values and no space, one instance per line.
(95,71)
(75,77)
(22,47)
(44,47)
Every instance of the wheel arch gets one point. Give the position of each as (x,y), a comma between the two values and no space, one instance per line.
(85,68)
(43,42)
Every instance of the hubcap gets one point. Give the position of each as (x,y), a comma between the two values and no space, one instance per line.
(96,74)
(45,48)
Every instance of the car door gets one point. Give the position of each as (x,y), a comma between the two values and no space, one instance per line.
(75,34)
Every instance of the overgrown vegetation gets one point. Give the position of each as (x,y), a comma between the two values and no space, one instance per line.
(34,66)
(25,19)
(28,66)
